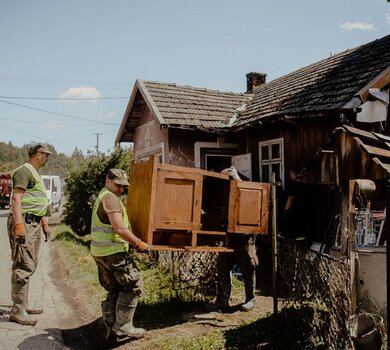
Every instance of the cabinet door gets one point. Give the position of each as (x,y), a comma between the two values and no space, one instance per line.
(248,207)
(178,200)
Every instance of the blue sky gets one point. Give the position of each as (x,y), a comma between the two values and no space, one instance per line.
(97,49)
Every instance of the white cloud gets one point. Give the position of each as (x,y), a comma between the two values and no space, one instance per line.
(367,25)
(80,93)
(388,17)
(56,126)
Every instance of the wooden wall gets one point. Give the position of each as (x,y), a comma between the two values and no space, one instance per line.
(301,140)
(182,142)
(148,134)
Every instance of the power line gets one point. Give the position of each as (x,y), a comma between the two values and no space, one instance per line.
(30,80)
(37,122)
(63,99)
(55,113)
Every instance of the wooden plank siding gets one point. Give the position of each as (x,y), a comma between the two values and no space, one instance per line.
(301,141)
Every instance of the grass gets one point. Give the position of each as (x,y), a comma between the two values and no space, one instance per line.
(74,254)
(160,307)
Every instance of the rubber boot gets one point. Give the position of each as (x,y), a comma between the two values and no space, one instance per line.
(224,288)
(220,305)
(125,309)
(249,305)
(250,284)
(32,309)
(18,312)
(108,314)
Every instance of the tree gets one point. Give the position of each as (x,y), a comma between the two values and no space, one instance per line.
(84,181)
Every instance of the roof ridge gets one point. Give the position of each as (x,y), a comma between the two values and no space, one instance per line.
(332,57)
(193,87)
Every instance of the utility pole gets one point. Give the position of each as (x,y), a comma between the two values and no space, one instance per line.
(97,142)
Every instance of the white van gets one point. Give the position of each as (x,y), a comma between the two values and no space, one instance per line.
(53,191)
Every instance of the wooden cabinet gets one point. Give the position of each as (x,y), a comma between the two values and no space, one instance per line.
(179,208)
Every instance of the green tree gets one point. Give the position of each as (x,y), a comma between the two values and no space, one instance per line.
(86,178)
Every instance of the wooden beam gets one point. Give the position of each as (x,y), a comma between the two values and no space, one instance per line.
(379,82)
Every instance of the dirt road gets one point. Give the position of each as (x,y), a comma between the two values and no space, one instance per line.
(58,314)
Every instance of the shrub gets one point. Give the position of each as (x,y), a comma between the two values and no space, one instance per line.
(86,180)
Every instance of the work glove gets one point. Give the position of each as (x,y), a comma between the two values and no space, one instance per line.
(231,172)
(20,230)
(143,247)
(46,230)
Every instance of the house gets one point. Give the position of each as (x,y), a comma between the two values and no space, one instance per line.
(272,127)
(287,118)
(275,126)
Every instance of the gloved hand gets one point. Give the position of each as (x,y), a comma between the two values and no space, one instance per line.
(46,230)
(231,172)
(20,229)
(143,247)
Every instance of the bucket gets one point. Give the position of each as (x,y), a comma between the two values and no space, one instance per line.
(365,331)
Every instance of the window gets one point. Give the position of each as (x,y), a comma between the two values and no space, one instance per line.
(214,155)
(217,162)
(271,160)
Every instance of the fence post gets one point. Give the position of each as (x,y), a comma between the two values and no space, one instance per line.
(387,256)
(274,245)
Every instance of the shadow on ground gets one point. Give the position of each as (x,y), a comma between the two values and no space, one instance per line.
(157,316)
(283,331)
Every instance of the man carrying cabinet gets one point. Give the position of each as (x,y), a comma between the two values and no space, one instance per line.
(29,205)
(111,235)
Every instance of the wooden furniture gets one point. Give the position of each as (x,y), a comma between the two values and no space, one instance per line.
(178,208)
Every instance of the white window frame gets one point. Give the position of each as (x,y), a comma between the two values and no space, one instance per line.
(215,155)
(198,146)
(280,160)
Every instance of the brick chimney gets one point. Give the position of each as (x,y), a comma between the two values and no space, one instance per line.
(254,79)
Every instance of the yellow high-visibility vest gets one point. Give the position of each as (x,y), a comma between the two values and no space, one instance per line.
(35,199)
(104,240)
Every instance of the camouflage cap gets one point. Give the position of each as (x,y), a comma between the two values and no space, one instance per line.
(38,147)
(119,176)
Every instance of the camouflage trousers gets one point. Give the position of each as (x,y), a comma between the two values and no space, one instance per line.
(245,257)
(117,273)
(24,256)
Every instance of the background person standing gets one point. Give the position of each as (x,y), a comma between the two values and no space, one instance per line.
(29,205)
(297,209)
(245,256)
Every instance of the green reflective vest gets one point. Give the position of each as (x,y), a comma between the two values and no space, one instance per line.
(35,200)
(104,240)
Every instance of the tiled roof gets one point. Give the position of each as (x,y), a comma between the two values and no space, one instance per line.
(323,86)
(193,107)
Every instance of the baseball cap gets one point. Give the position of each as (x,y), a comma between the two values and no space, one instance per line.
(119,176)
(38,147)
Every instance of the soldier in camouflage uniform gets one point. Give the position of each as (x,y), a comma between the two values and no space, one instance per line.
(111,235)
(29,205)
